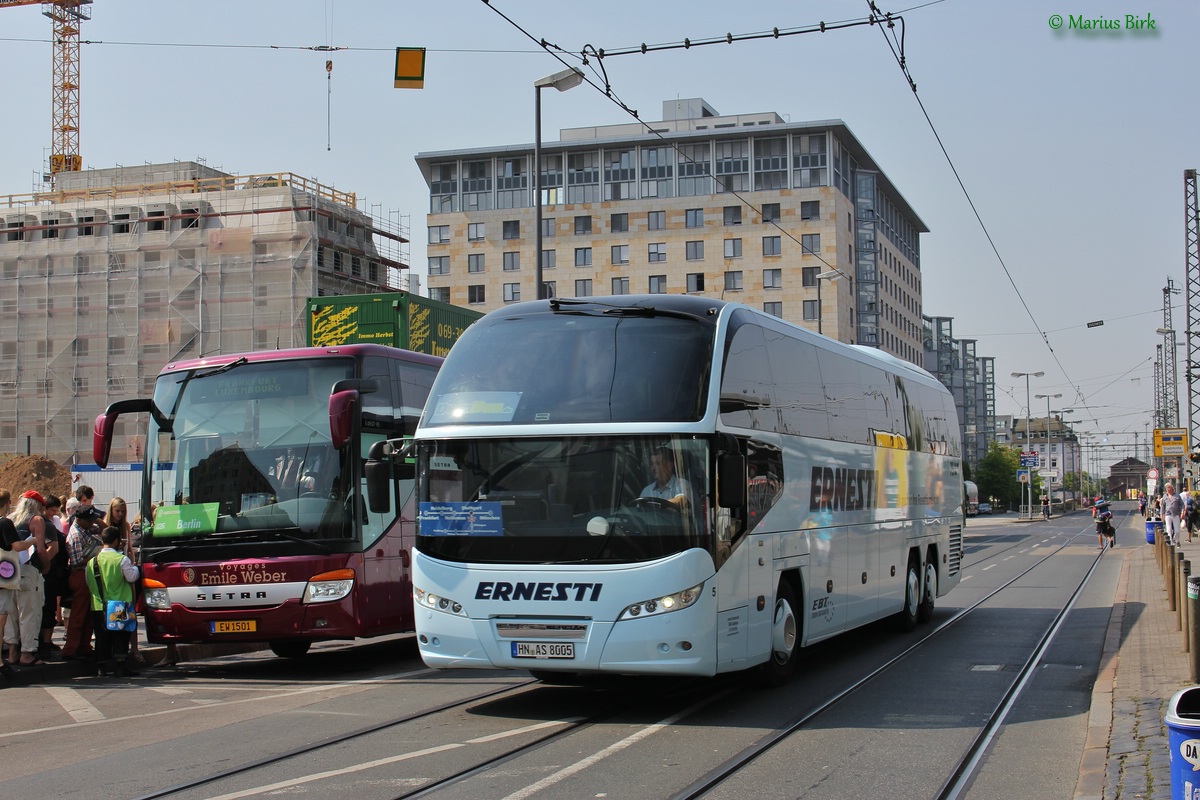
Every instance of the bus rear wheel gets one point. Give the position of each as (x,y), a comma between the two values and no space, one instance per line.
(906,620)
(290,648)
(928,593)
(785,639)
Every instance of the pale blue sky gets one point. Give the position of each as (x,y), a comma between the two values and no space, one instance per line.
(1071,145)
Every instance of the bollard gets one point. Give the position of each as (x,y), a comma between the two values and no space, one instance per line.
(1185,608)
(1170,576)
(1180,590)
(1194,626)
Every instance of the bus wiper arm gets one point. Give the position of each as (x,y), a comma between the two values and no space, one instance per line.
(208,373)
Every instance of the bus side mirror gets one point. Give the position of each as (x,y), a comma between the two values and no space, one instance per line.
(106,423)
(731,480)
(343,406)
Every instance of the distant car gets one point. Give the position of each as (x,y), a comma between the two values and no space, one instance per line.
(985,508)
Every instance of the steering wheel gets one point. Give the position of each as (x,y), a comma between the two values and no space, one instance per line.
(654,502)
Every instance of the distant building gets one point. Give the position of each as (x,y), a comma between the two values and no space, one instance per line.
(118,271)
(970,378)
(745,207)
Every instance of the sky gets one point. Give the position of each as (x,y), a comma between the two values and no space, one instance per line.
(1070,143)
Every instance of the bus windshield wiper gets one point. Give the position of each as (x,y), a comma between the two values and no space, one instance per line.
(208,373)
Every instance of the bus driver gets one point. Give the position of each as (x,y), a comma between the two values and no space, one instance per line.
(667,485)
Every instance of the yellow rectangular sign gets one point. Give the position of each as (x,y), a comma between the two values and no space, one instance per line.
(1170,442)
(410,68)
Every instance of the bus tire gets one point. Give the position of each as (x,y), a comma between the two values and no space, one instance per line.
(290,648)
(785,639)
(928,591)
(906,619)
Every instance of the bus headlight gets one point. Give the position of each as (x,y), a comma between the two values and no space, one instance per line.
(436,602)
(662,605)
(329,587)
(155,594)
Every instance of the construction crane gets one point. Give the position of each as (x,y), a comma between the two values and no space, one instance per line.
(66,16)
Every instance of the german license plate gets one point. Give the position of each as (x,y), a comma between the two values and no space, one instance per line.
(235,626)
(543,649)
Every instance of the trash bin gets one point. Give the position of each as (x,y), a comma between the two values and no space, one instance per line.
(1183,732)
(1152,526)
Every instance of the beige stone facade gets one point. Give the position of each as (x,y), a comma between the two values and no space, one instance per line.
(687,210)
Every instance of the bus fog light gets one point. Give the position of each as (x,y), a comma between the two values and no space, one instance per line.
(663,605)
(685,646)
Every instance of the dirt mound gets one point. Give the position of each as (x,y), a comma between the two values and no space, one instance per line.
(22,473)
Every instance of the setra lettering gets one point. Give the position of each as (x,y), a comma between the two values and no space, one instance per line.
(533,590)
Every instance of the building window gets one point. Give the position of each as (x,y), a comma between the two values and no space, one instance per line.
(695,169)
(733,215)
(772,279)
(620,174)
(439,234)
(439,293)
(86,226)
(658,284)
(512,229)
(547,227)
(477,186)
(549,259)
(476,294)
(443,188)
(808,276)
(657,251)
(583,287)
(512,261)
(733,248)
(583,177)
(620,254)
(583,256)
(772,245)
(512,185)
(439,265)
(475,262)
(770,164)
(774,308)
(658,166)
(695,282)
(583,226)
(694,217)
(810,209)
(620,285)
(476,231)
(770,212)
(512,292)
(810,244)
(656,220)
(733,280)
(694,251)
(156,220)
(121,223)
(811,310)
(731,159)
(618,223)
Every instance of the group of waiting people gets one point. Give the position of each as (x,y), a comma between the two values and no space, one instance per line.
(72,558)
(1179,512)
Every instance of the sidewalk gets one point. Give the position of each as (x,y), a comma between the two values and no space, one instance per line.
(1127,754)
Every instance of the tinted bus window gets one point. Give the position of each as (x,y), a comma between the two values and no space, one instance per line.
(746,382)
(799,393)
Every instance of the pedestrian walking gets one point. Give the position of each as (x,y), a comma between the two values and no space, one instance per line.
(1172,507)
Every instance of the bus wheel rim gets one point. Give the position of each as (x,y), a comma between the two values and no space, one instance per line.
(783,632)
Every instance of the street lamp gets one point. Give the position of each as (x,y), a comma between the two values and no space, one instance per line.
(567,79)
(1049,480)
(1027,376)
(828,275)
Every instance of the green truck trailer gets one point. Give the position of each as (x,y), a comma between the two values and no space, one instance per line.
(397,319)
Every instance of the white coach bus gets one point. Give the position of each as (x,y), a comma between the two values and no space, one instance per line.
(673,485)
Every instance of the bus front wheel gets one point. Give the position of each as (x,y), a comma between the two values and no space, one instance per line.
(290,648)
(906,620)
(785,638)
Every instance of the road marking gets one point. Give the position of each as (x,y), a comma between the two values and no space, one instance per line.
(73,703)
(989,566)
(383,762)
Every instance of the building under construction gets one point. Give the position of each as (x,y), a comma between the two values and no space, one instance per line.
(116,272)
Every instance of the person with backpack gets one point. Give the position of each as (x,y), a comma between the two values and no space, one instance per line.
(111,576)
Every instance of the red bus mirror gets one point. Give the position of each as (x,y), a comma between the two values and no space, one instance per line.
(343,406)
(102,433)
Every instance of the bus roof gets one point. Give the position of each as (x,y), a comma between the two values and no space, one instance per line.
(304,352)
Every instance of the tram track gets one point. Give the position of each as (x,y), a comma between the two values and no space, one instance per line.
(685,698)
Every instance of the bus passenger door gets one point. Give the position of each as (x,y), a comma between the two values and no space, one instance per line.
(733,614)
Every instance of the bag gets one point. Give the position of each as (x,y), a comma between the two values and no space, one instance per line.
(91,548)
(119,616)
(10,570)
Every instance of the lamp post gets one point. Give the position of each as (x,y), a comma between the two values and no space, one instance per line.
(1028,411)
(828,275)
(1049,480)
(567,79)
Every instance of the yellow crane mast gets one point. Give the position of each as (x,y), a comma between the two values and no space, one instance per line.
(66,16)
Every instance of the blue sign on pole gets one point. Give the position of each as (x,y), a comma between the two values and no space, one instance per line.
(1022,476)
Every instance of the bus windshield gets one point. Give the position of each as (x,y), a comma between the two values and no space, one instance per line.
(243,451)
(593,364)
(564,500)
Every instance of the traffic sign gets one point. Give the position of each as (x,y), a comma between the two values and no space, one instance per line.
(1030,459)
(1170,442)
(1152,473)
(1022,476)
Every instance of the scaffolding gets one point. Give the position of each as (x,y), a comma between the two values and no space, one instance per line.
(117,272)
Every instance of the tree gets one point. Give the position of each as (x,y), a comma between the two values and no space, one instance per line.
(997,475)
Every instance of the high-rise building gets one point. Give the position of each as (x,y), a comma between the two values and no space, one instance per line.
(794,218)
(970,378)
(118,271)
